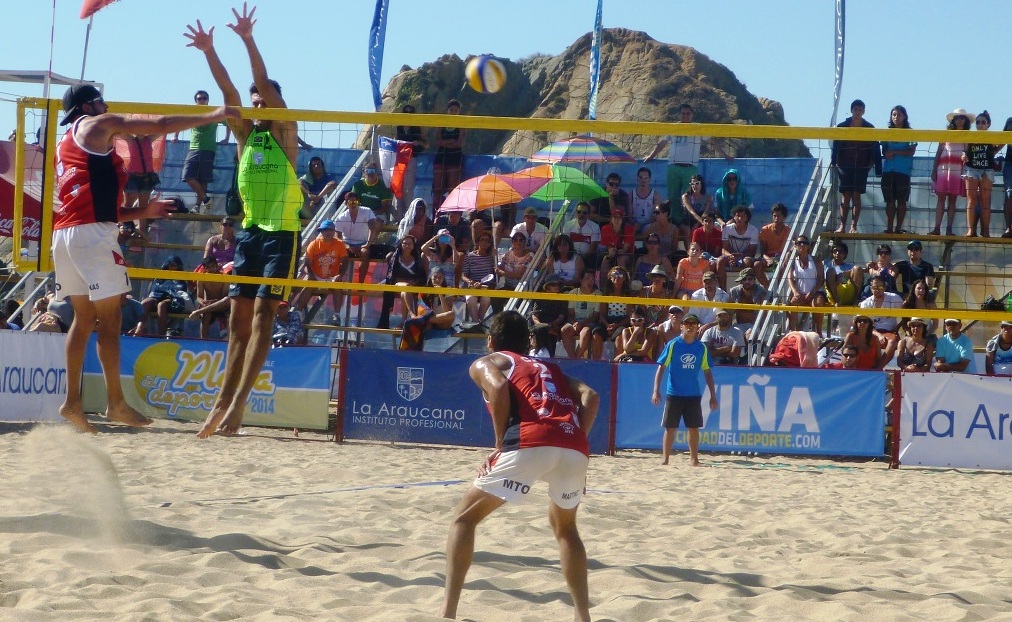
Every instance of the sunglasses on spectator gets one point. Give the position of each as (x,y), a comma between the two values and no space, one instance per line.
(848,355)
(636,319)
(802,243)
(580,212)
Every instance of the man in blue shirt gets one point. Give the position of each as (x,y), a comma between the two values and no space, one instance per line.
(684,358)
(954,351)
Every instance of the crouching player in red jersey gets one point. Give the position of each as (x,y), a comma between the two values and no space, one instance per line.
(541,418)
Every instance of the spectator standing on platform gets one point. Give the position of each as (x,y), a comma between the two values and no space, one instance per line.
(730,195)
(724,341)
(806,280)
(897,165)
(269,242)
(998,360)
(411,134)
(886,326)
(695,203)
(644,200)
(954,351)
(221,246)
(772,241)
(683,156)
(947,173)
(585,233)
(739,243)
(358,227)
(681,361)
(915,351)
(373,193)
(449,161)
(914,268)
(1006,176)
(853,160)
(844,280)
(979,163)
(317,184)
(90,274)
(601,208)
(198,168)
(541,418)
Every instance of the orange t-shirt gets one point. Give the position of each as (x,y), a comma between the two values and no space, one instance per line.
(770,243)
(325,258)
(692,276)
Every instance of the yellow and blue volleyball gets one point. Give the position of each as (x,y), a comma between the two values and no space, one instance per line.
(485,74)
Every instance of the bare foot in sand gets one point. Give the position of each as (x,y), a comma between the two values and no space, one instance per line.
(231,425)
(77,419)
(211,423)
(127,416)
(664,463)
(697,463)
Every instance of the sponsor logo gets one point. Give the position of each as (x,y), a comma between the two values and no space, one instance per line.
(688,361)
(258,158)
(410,382)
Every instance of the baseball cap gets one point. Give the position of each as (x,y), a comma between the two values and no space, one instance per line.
(709,275)
(228,220)
(75,97)
(617,212)
(675,309)
(444,232)
(719,311)
(530,211)
(691,318)
(327,225)
(952,320)
(1006,323)
(914,245)
(744,274)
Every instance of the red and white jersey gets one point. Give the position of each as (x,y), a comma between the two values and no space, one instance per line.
(89,185)
(542,409)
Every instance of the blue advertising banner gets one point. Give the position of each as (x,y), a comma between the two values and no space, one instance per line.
(766,410)
(180,379)
(425,397)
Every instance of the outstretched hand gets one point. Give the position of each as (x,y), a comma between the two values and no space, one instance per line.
(200,39)
(244,23)
(229,112)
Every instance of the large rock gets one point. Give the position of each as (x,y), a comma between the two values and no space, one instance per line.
(641,80)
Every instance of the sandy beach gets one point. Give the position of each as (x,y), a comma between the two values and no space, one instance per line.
(155,525)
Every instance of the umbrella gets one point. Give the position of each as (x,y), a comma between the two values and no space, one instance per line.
(566,183)
(485,191)
(582,149)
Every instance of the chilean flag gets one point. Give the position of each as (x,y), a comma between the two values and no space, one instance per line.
(90,7)
(394,156)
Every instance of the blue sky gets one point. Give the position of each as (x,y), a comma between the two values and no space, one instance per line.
(926,54)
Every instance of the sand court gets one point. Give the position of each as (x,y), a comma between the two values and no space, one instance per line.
(151,525)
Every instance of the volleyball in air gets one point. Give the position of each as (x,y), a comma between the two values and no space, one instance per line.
(485,74)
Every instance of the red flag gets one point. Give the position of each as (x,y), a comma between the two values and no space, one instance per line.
(394,156)
(90,7)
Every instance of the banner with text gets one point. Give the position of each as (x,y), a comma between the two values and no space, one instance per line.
(424,397)
(765,410)
(180,379)
(33,375)
(956,420)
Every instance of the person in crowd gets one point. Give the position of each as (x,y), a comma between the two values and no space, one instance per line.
(919,297)
(947,173)
(730,195)
(739,243)
(897,165)
(534,231)
(584,232)
(198,168)
(869,349)
(710,238)
(644,200)
(614,315)
(689,275)
(373,193)
(168,296)
(141,175)
(552,313)
(724,341)
(478,272)
(848,359)
(746,292)
(539,341)
(289,329)
(637,342)
(651,259)
(131,315)
(998,357)
(601,208)
(541,418)
(210,293)
(267,247)
(1006,176)
(806,281)
(565,262)
(443,314)
(358,226)
(710,292)
(440,253)
(449,161)
(416,221)
(695,203)
(656,288)
(405,267)
(454,222)
(853,160)
(411,134)
(954,351)
(886,327)
(317,184)
(915,351)
(671,327)
(666,232)
(681,362)
(584,315)
(683,156)
(978,173)
(324,261)
(514,263)
(772,242)
(131,243)
(618,242)
(882,268)
(844,280)
(221,246)
(914,268)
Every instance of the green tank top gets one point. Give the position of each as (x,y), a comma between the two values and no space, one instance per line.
(269,188)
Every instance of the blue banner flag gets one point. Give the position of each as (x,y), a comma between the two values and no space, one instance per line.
(595,64)
(377,38)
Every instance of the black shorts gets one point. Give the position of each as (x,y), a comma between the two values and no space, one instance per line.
(141,183)
(895,187)
(269,254)
(678,407)
(199,165)
(854,180)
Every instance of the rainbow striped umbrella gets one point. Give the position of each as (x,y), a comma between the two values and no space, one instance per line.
(582,149)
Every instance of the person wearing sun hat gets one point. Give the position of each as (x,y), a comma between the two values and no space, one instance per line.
(916,351)
(947,173)
(954,352)
(998,360)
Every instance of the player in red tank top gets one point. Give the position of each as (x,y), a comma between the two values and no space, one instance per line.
(541,418)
